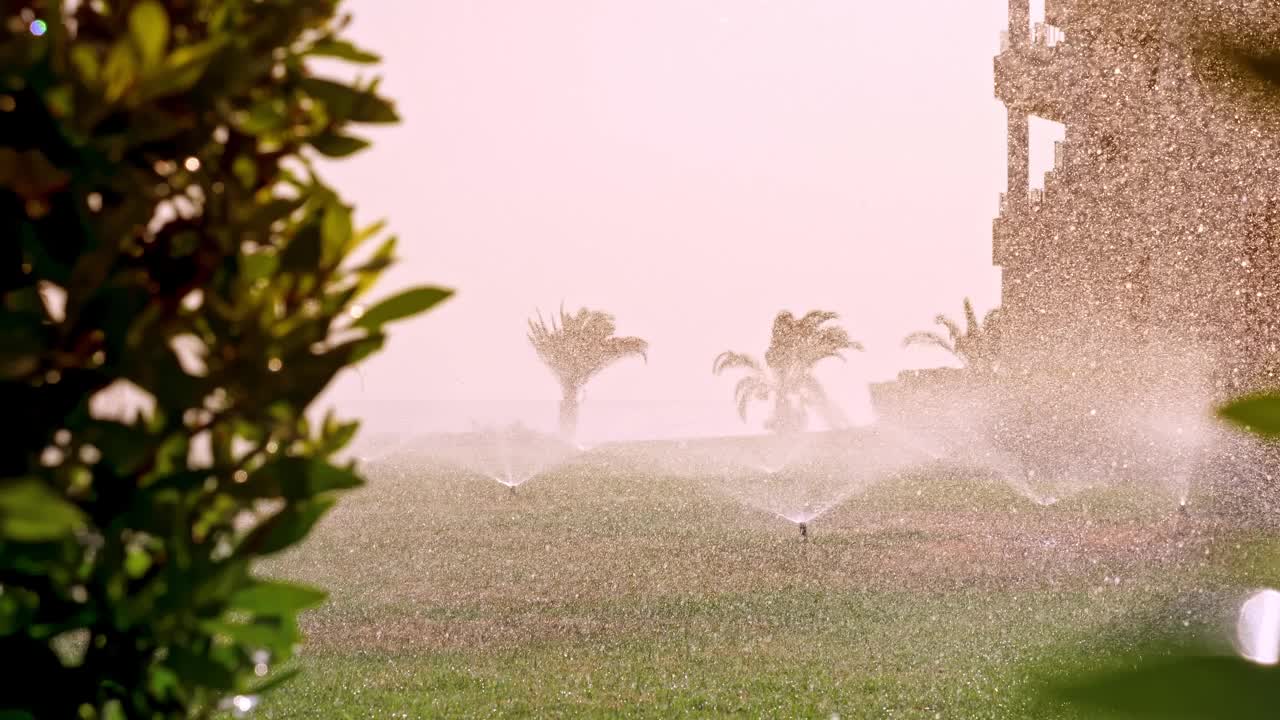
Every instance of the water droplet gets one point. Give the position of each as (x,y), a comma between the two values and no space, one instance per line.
(38,28)
(192,164)
(94,201)
(275,364)
(90,454)
(241,476)
(1258,630)
(51,457)
(243,704)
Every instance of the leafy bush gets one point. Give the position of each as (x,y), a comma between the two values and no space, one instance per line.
(177,286)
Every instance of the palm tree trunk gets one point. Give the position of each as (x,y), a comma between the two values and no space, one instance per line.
(568,412)
(784,418)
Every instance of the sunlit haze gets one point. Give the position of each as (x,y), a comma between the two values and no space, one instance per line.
(693,168)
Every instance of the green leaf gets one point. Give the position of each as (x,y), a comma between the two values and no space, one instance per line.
(257,266)
(335,231)
(367,272)
(340,436)
(207,671)
(298,478)
(342,49)
(336,145)
(30,511)
(136,562)
(1184,688)
(302,254)
(60,101)
(263,216)
(245,171)
(264,118)
(346,103)
(272,597)
(182,69)
(85,59)
(1258,413)
(406,304)
(367,232)
(274,636)
(124,448)
(366,347)
(288,526)
(149,28)
(120,71)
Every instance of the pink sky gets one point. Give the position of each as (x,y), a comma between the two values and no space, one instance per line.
(692,166)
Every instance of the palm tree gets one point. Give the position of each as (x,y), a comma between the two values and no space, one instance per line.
(787,373)
(974,346)
(577,348)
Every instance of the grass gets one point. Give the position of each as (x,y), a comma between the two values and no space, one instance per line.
(601,591)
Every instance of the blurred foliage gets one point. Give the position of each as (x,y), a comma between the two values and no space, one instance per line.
(1179,687)
(177,287)
(1193,680)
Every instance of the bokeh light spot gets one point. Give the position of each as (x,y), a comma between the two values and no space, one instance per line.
(1258,630)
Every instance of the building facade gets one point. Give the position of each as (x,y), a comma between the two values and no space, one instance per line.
(1159,224)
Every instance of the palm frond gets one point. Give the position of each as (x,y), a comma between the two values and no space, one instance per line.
(621,347)
(952,328)
(751,387)
(796,345)
(928,338)
(970,317)
(783,321)
(814,318)
(578,345)
(729,360)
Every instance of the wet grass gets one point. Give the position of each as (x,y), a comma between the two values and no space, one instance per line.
(602,591)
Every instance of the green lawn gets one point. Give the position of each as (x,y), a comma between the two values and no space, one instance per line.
(602,590)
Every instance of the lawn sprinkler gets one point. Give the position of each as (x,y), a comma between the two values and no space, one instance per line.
(1182,508)
(804,532)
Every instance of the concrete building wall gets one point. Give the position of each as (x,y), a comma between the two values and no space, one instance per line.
(1161,222)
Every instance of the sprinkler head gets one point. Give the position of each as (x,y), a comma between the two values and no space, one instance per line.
(804,531)
(512,488)
(1182,507)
